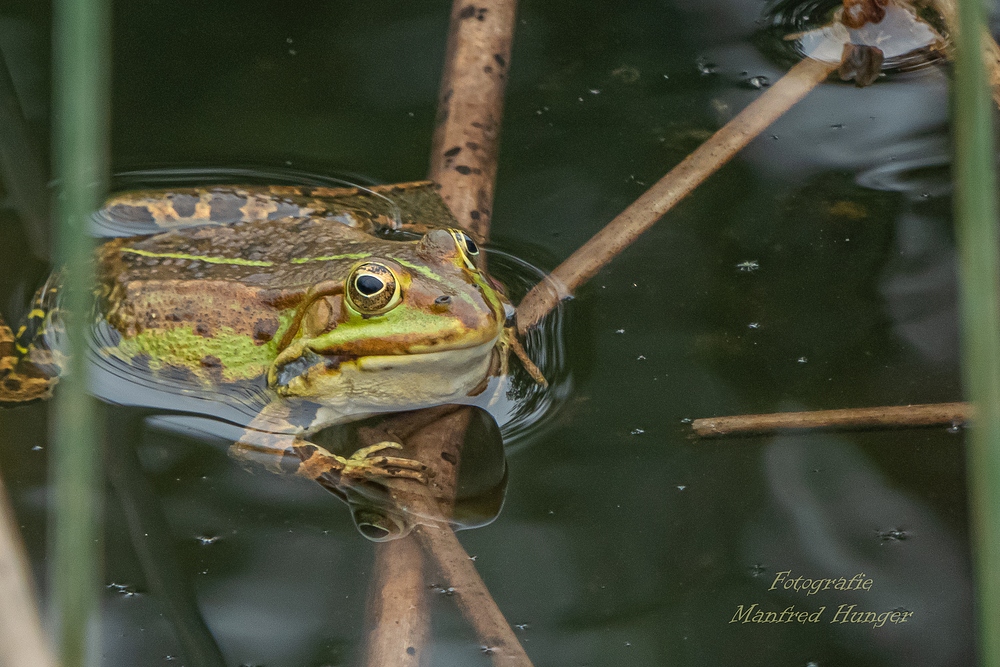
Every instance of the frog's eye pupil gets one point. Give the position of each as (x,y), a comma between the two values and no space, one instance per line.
(470,245)
(369,285)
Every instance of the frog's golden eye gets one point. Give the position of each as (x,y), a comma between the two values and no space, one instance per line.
(466,247)
(372,288)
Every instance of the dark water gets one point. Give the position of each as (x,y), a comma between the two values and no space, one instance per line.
(622,540)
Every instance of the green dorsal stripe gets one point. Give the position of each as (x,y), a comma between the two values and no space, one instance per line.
(298,260)
(331,258)
(199,258)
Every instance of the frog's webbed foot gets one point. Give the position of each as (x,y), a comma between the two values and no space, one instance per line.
(290,452)
(364,464)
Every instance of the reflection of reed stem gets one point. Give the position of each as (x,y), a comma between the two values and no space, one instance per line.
(22,641)
(153,542)
(901,416)
(679,181)
(21,167)
(397,618)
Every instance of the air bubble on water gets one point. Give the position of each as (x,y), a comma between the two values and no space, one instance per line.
(641,357)
(594,91)
(753,325)
(637,431)
(802,360)
(748,265)
(956,427)
(686,420)
(705,68)
(488,650)
(36,448)
(759,82)
(619,331)
(292,52)
(288,40)
(666,76)
(205,540)
(681,487)
(522,626)
(893,535)
(122,589)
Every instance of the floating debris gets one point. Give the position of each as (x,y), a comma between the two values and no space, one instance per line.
(748,266)
(869,35)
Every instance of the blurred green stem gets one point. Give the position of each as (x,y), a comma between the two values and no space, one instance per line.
(979,255)
(80,153)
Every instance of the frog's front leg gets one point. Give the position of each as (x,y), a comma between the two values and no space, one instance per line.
(275,442)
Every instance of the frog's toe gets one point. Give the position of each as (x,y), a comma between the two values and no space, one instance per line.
(363,465)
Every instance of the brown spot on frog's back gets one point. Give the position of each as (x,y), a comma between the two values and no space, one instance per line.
(184,205)
(127,213)
(211,361)
(264,330)
(226,207)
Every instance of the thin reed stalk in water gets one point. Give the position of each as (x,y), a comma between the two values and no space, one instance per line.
(80,45)
(896,416)
(21,167)
(976,215)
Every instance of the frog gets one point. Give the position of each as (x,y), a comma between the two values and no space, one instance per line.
(281,310)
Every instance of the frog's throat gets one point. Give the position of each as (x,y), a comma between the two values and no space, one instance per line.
(390,382)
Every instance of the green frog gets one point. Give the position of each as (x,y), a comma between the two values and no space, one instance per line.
(280,311)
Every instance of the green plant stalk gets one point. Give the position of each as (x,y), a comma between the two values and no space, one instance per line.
(80,153)
(979,255)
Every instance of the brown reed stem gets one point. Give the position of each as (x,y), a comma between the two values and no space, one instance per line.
(991,51)
(464,163)
(470,109)
(903,416)
(22,640)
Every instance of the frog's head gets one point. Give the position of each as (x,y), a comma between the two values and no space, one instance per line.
(415,323)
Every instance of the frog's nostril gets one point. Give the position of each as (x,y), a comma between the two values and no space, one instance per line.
(443,300)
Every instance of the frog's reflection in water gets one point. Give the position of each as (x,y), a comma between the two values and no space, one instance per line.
(386,510)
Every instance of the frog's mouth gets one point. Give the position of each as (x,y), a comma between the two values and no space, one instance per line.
(283,374)
(384,381)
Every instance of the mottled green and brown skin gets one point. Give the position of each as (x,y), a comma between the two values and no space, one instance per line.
(278,286)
